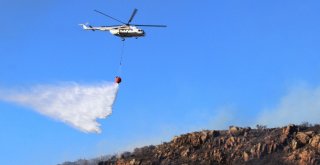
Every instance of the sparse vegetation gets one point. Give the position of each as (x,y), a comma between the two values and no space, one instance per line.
(306,124)
(261,127)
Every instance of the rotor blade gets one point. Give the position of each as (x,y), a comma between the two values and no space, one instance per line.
(151,25)
(109,16)
(115,26)
(132,15)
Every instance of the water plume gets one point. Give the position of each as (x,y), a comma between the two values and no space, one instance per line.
(75,104)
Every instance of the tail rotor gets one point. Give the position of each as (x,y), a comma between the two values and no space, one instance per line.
(86,26)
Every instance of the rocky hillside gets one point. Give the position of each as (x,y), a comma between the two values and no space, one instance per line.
(288,145)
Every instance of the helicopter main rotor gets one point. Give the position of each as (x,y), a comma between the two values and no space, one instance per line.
(130,19)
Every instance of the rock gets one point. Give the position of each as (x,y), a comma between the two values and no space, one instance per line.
(263,149)
(122,162)
(286,149)
(195,139)
(287,132)
(233,130)
(132,162)
(185,153)
(294,144)
(291,158)
(245,156)
(290,129)
(283,139)
(269,149)
(175,139)
(315,142)
(253,151)
(307,157)
(237,131)
(194,157)
(245,134)
(310,133)
(204,136)
(274,147)
(258,150)
(302,137)
(218,156)
(230,141)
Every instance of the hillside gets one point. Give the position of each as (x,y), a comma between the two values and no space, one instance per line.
(292,144)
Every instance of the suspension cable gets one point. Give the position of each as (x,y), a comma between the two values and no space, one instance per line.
(121,58)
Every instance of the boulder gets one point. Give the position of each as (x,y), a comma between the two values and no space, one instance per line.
(204,136)
(195,139)
(315,141)
(307,157)
(237,131)
(302,138)
(289,130)
(218,156)
(175,139)
(230,141)
(310,133)
(233,130)
(246,156)
(185,153)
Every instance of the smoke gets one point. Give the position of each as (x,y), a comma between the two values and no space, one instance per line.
(301,104)
(74,104)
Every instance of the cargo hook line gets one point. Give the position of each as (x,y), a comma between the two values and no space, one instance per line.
(121,57)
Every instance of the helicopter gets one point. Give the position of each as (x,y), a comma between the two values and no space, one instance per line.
(125,30)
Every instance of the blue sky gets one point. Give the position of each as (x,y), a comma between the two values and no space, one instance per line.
(217,63)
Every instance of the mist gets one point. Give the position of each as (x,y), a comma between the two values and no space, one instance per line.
(78,105)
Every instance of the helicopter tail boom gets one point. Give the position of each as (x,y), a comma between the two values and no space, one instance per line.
(101,28)
(87,27)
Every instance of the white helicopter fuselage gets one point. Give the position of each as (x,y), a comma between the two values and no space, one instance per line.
(127,31)
(120,31)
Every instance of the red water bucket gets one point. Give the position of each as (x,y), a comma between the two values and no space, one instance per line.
(117,80)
